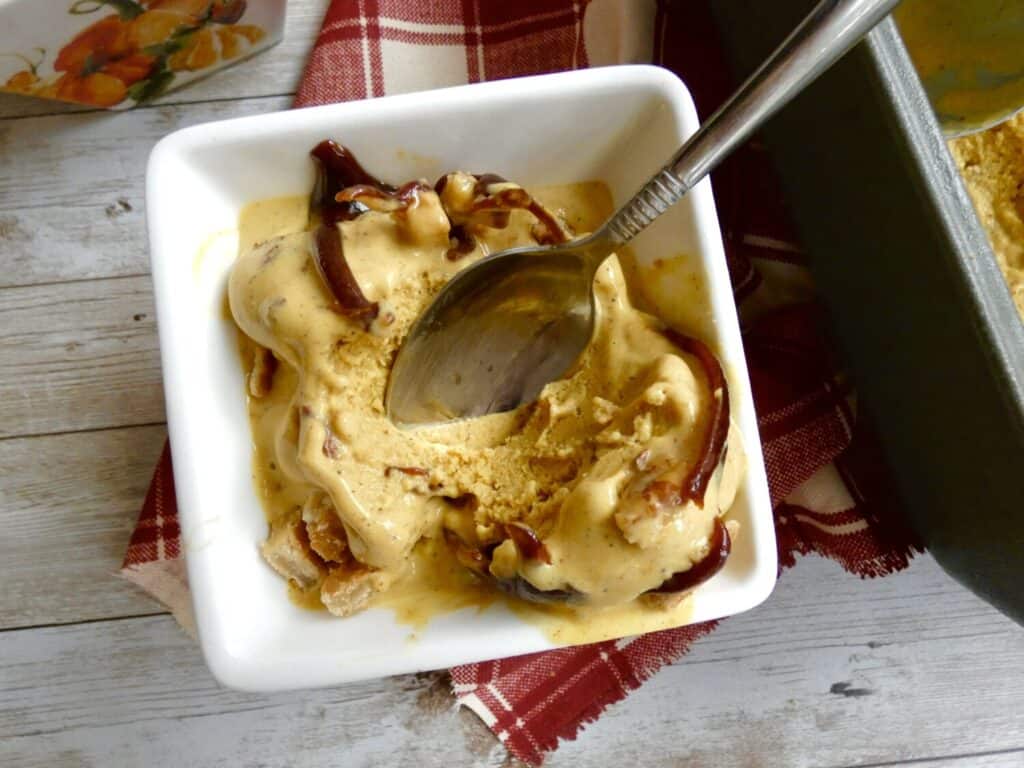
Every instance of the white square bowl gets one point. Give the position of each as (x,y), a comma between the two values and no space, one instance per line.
(617,124)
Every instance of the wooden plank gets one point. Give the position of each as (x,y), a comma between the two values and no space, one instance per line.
(1009,759)
(837,672)
(832,671)
(102,237)
(78,356)
(271,73)
(67,506)
(14,106)
(154,677)
(72,198)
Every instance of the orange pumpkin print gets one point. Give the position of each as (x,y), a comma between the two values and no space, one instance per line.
(154,27)
(135,52)
(98,89)
(95,45)
(21,81)
(27,79)
(131,69)
(208,46)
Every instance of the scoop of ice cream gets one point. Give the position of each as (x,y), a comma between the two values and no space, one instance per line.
(992,163)
(553,498)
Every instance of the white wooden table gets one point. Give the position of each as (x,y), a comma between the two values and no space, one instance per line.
(832,671)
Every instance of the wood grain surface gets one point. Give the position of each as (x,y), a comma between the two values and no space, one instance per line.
(79,355)
(68,503)
(831,672)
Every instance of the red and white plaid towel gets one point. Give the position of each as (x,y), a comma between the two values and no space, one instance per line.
(823,472)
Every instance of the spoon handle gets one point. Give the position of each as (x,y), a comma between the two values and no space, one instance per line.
(830,30)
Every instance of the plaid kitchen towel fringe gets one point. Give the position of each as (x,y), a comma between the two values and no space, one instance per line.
(829,495)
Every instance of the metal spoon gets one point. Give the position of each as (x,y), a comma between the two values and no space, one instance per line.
(516,320)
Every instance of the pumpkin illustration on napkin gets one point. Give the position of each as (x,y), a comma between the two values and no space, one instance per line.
(135,51)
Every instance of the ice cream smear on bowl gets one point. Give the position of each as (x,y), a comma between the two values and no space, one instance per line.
(611,490)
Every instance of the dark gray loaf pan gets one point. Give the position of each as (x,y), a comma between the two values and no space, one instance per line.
(917,303)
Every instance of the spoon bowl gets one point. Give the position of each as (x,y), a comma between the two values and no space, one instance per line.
(497,333)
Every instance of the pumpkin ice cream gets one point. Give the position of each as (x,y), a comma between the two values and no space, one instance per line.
(992,163)
(610,488)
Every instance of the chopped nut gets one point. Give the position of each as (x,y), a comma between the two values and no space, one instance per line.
(261,377)
(347,589)
(458,193)
(642,460)
(604,410)
(326,533)
(655,395)
(505,560)
(643,427)
(640,523)
(287,550)
(412,479)
(332,447)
